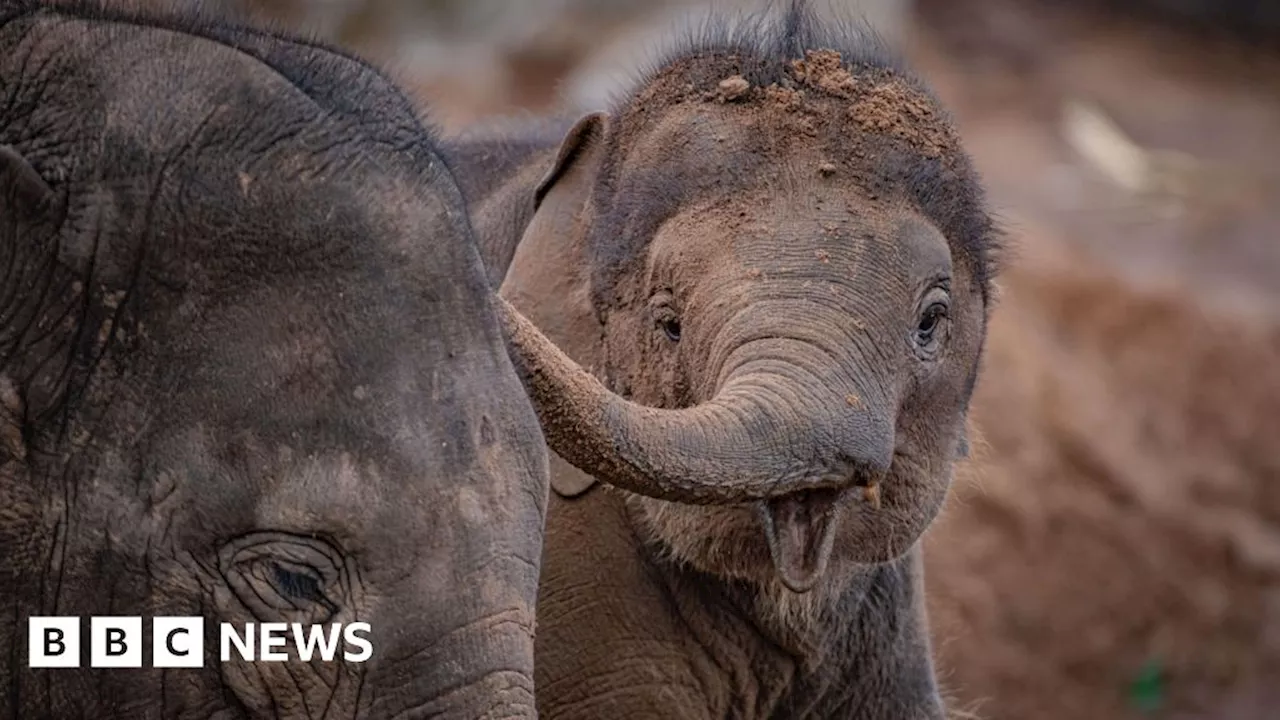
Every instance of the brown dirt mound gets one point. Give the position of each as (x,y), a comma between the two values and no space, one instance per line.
(1115,544)
(825,70)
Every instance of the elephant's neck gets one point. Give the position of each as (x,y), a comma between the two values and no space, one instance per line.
(800,626)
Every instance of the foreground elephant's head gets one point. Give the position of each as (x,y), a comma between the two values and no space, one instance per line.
(788,273)
(250,371)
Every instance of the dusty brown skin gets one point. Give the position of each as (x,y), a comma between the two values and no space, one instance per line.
(777,270)
(232,385)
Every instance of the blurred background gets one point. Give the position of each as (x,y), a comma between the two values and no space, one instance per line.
(1112,550)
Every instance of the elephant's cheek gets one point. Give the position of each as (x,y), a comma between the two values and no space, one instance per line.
(290,690)
(882,534)
(295,690)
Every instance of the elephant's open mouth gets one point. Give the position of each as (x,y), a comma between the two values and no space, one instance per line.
(801,530)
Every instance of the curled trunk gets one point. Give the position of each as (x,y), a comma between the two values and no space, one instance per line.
(724,451)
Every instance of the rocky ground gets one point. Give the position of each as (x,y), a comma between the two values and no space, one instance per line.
(1113,550)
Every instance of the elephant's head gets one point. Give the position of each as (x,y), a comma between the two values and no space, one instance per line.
(250,370)
(788,273)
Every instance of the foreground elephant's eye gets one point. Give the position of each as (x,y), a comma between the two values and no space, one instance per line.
(672,330)
(288,586)
(297,583)
(284,577)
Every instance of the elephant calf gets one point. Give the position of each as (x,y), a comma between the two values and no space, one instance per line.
(250,370)
(774,262)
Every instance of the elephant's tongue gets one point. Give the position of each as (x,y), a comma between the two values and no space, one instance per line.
(800,530)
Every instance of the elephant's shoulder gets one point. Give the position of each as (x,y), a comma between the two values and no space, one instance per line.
(590,533)
(609,644)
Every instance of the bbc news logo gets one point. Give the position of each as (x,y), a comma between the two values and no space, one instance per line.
(178,642)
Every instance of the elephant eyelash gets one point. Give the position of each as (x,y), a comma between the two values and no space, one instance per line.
(929,332)
(296,584)
(930,319)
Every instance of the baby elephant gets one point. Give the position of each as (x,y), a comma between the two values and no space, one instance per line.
(250,371)
(764,279)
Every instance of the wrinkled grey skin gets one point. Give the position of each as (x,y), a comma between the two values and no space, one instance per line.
(250,370)
(715,305)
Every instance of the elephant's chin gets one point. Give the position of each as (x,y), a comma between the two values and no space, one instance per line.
(802,542)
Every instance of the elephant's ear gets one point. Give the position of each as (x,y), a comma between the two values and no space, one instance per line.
(23,195)
(578,158)
(22,190)
(549,280)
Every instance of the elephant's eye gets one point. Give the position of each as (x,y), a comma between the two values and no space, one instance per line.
(284,577)
(661,305)
(297,583)
(929,322)
(931,325)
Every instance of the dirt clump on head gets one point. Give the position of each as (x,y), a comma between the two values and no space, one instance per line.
(879,102)
(825,70)
(732,88)
(784,99)
(891,110)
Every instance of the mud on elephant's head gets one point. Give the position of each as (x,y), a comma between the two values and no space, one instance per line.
(790,265)
(250,370)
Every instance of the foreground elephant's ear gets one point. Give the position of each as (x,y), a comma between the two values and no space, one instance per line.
(550,263)
(22,190)
(23,194)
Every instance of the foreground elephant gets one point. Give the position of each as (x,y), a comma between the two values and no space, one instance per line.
(233,385)
(775,257)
